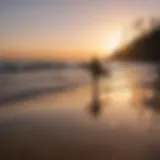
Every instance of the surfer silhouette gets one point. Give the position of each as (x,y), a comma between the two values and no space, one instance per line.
(97,71)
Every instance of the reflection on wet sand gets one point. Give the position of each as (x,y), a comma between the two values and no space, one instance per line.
(95,108)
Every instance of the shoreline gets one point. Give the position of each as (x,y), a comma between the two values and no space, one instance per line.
(31,94)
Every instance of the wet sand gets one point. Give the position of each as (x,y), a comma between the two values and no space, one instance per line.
(61,126)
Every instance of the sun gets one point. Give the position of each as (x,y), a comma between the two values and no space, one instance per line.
(114,43)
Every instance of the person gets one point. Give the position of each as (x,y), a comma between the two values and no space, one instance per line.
(97,71)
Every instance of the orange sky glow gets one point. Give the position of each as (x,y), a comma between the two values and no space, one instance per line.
(67,29)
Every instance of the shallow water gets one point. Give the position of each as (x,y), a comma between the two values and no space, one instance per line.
(16,84)
(124,125)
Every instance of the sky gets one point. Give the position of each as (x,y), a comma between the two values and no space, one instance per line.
(66,28)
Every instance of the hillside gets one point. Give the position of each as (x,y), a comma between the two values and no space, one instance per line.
(144,48)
